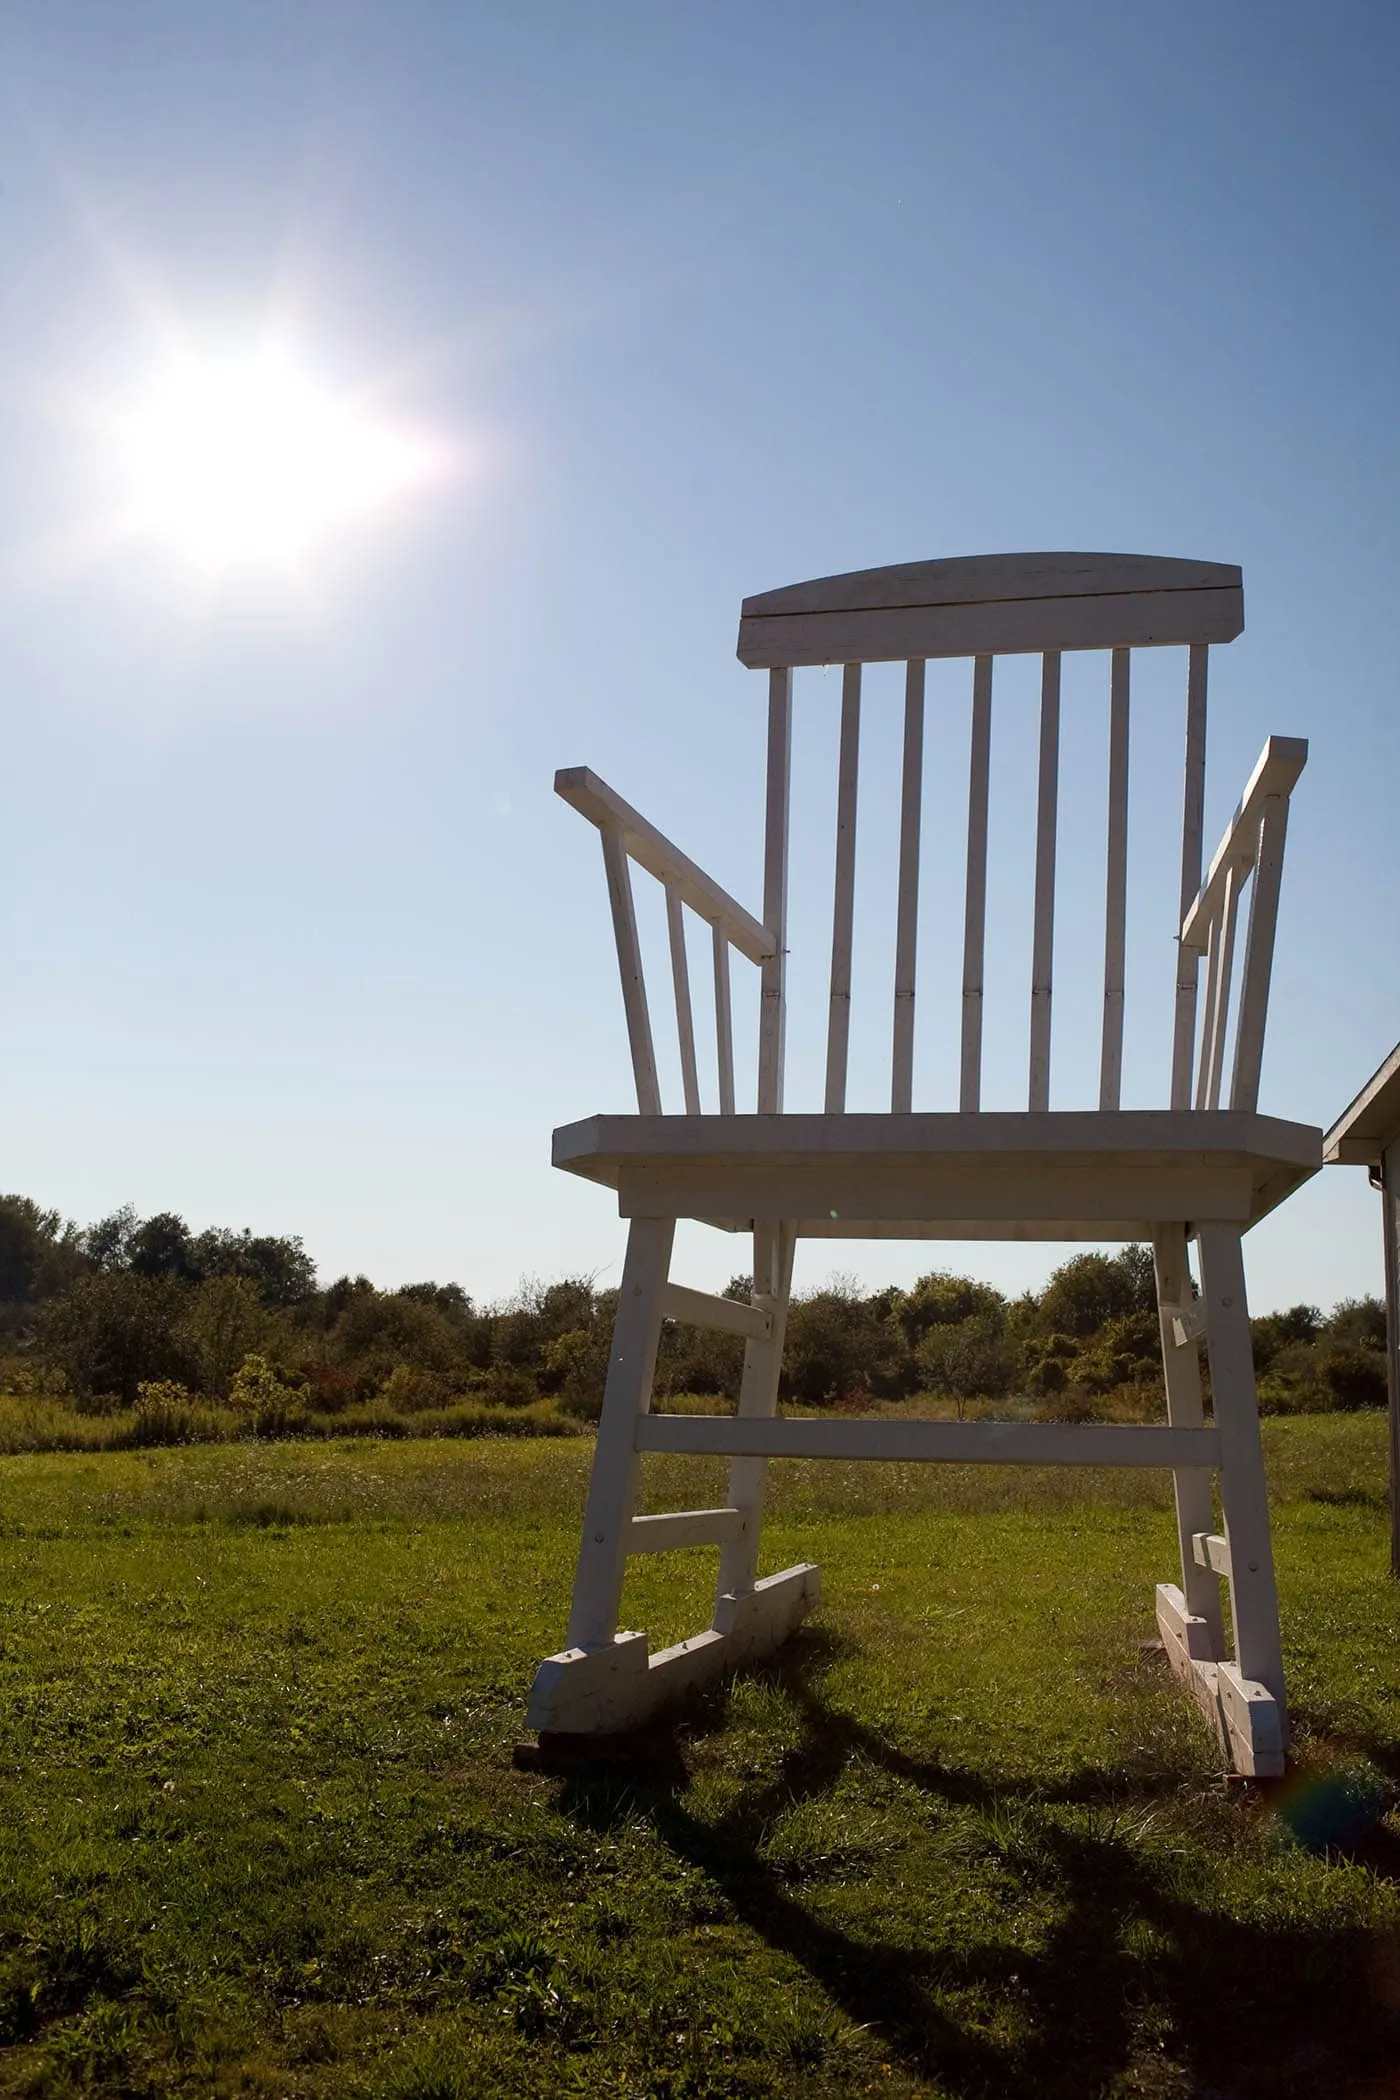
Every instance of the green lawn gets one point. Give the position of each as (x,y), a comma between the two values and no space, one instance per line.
(261,1831)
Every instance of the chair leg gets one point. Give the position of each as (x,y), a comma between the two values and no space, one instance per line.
(612,1487)
(1195,1507)
(774,1245)
(1251,1690)
(605,1681)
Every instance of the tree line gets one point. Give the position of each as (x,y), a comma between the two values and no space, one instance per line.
(108,1315)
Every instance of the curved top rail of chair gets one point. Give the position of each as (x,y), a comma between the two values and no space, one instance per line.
(992,605)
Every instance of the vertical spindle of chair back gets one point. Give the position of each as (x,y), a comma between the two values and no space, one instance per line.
(982,608)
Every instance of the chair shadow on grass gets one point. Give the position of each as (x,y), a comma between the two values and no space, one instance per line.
(1247,2010)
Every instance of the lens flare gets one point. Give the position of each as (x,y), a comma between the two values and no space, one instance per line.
(252,463)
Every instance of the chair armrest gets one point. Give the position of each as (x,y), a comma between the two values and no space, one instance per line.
(652,850)
(1251,850)
(1280,762)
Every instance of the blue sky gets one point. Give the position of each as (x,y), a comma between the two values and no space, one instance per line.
(704,300)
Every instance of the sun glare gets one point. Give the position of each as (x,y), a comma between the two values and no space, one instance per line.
(254,463)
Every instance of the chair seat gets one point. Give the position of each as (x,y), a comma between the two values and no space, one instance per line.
(1058,1175)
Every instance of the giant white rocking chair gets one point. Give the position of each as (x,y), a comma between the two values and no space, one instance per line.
(1198,1169)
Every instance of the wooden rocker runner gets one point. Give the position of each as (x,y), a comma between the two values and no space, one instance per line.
(1202,1169)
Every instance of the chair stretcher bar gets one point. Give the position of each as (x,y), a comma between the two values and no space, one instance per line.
(957,1443)
(684,1527)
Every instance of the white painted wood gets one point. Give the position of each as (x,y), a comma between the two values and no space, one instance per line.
(839,1198)
(603,806)
(747,1616)
(609,1691)
(838,1033)
(906,940)
(685,1018)
(975,903)
(1259,953)
(1180,1317)
(1255,1724)
(1243,1494)
(1192,847)
(724,1025)
(580,1686)
(1066,1134)
(1370,1122)
(773,1009)
(1349,1151)
(1115,620)
(1116,885)
(774,1247)
(952,1443)
(1189,1324)
(728,1315)
(1185,1635)
(629,963)
(1187,1641)
(612,1484)
(1208,1014)
(1223,968)
(1390,1227)
(1106,1174)
(683,1527)
(1043,946)
(855,1175)
(1243,1716)
(1026,1231)
(1274,777)
(1210,1550)
(988,579)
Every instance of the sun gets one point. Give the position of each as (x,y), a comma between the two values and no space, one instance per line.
(253,462)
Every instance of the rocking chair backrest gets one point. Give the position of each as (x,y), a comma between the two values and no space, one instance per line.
(983,607)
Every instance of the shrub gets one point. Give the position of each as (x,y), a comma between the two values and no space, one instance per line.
(1091,1289)
(40,1256)
(968,1362)
(30,1377)
(115,1331)
(408,1390)
(943,1300)
(838,1343)
(1272,1332)
(1357,1322)
(262,1398)
(223,1322)
(280,1270)
(696,1360)
(1046,1376)
(1049,1362)
(165,1414)
(576,1369)
(1125,1351)
(377,1331)
(503,1385)
(1353,1377)
(1316,1377)
(157,1394)
(1290,1384)
(329,1388)
(1074,1403)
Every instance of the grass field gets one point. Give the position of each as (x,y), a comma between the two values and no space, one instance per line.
(261,1831)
